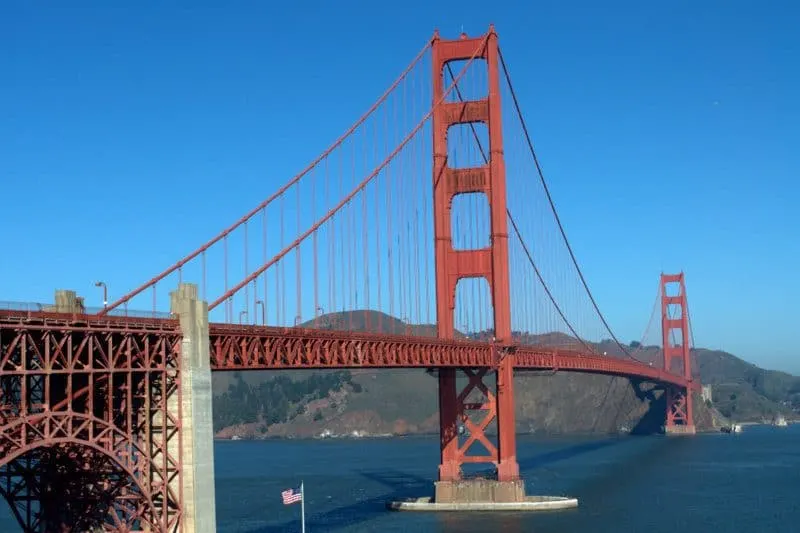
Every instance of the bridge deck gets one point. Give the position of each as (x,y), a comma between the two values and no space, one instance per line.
(240,347)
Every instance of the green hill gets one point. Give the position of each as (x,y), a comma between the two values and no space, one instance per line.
(304,403)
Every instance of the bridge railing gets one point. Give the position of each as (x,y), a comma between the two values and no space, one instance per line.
(132,313)
(30,307)
(38,307)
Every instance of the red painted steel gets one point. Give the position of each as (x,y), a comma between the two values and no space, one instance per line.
(679,410)
(252,213)
(490,263)
(235,347)
(238,347)
(265,348)
(55,372)
(90,405)
(90,409)
(679,404)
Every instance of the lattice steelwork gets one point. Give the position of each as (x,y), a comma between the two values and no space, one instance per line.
(89,422)
(352,263)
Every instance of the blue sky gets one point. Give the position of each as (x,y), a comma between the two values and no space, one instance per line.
(130,134)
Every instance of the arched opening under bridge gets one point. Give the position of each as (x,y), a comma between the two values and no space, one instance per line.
(70,484)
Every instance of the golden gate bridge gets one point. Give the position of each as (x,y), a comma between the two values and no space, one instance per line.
(432,208)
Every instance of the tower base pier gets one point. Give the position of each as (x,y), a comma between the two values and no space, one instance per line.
(677,430)
(479,490)
(482,495)
(479,500)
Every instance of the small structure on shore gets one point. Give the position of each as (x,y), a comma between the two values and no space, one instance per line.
(732,428)
(780,421)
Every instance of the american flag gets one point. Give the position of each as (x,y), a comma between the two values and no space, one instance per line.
(291,496)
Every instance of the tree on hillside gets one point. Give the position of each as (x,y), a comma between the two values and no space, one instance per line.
(278,399)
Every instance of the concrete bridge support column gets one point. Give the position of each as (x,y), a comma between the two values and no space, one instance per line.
(66,301)
(197,437)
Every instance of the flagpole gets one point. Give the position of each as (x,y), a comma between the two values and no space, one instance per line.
(302,508)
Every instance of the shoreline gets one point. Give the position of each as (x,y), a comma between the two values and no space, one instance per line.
(542,435)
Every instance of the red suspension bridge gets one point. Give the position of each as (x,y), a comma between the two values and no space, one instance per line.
(375,255)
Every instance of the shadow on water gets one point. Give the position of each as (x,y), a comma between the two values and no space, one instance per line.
(561,454)
(403,485)
(653,419)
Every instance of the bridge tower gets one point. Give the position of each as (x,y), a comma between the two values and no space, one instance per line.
(675,341)
(490,263)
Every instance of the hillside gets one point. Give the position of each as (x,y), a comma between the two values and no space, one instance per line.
(302,403)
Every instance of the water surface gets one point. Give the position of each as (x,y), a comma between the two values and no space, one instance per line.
(731,483)
(725,483)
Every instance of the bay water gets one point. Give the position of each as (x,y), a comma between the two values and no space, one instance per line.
(713,482)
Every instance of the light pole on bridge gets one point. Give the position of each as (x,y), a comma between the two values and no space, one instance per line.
(105,292)
(263,312)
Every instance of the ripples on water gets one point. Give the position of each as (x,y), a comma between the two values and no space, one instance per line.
(731,483)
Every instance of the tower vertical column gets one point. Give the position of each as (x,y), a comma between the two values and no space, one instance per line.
(507,467)
(196,444)
(490,263)
(449,466)
(680,416)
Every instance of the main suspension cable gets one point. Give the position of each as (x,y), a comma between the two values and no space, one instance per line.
(553,208)
(516,229)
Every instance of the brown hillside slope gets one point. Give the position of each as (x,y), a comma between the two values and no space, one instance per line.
(404,401)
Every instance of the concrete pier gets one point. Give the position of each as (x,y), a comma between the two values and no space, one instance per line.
(479,490)
(482,495)
(680,430)
(197,450)
(529,504)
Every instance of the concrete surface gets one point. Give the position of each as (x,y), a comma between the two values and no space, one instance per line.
(197,453)
(680,430)
(479,490)
(530,504)
(66,301)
